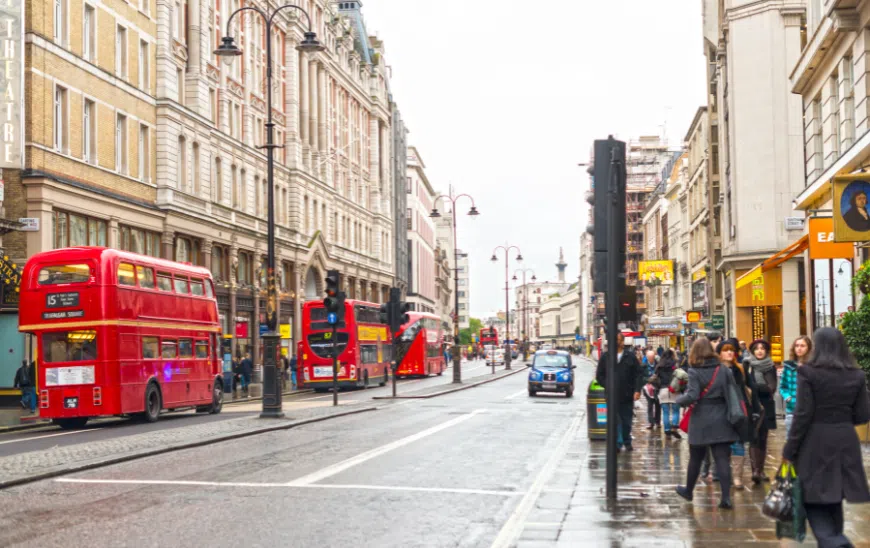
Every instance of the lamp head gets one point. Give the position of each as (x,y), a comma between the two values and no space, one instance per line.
(228,50)
(310,44)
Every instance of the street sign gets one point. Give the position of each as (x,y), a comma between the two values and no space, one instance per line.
(332,318)
(717,322)
(693,316)
(264,328)
(577,337)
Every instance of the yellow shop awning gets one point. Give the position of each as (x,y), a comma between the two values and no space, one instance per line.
(795,248)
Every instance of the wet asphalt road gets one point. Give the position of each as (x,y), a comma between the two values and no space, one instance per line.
(39,439)
(449,471)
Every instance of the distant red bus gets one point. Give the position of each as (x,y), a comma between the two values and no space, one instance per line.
(489,336)
(419,346)
(364,344)
(120,334)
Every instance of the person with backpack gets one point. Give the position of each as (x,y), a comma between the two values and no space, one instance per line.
(800,353)
(760,367)
(24,379)
(293,363)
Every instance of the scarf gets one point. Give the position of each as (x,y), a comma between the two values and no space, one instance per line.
(763,366)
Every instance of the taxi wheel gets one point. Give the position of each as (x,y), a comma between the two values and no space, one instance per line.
(569,393)
(532,393)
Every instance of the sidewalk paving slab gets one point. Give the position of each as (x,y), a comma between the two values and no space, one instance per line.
(443,389)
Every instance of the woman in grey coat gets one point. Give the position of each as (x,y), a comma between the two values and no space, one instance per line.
(822,443)
(709,426)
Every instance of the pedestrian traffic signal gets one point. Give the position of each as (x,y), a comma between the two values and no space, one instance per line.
(397,310)
(403,310)
(384,314)
(334,300)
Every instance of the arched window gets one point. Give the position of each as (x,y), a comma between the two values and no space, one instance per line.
(197,183)
(182,163)
(218,182)
(234,182)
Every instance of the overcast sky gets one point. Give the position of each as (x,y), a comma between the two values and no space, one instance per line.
(504,98)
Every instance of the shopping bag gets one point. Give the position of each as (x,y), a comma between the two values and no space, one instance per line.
(684,420)
(796,528)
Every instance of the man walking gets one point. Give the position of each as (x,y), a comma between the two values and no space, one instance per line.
(629,381)
(25,381)
(293,372)
(247,371)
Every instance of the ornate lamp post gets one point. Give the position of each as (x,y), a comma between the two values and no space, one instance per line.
(229,51)
(457,355)
(526,333)
(507,310)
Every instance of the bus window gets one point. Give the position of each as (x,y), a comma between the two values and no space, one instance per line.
(167,349)
(181,286)
(125,274)
(149,348)
(164,281)
(201,349)
(185,348)
(209,292)
(146,277)
(368,353)
(196,287)
(64,274)
(69,346)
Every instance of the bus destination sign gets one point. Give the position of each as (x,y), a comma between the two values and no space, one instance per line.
(67,299)
(63,315)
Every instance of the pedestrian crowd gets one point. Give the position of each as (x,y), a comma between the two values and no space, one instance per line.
(723,394)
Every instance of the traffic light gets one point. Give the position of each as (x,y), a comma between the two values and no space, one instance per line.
(384,314)
(608,172)
(628,304)
(334,300)
(397,311)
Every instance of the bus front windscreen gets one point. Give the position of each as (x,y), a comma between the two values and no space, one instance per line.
(322,343)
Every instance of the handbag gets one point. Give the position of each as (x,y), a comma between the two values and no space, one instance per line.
(684,421)
(738,414)
(784,503)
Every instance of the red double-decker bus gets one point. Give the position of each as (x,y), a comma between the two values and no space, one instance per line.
(489,336)
(419,346)
(120,334)
(364,345)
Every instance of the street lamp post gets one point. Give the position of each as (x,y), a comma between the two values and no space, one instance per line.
(507,310)
(229,51)
(457,355)
(525,309)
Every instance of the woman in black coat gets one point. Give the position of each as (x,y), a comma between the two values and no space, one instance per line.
(709,426)
(762,372)
(822,443)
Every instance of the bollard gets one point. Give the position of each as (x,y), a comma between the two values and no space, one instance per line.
(394,366)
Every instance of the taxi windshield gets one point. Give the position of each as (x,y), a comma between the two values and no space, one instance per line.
(552,360)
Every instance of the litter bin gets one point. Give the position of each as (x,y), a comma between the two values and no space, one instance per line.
(228,382)
(596,412)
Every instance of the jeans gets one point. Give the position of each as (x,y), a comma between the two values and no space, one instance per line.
(827,523)
(245,381)
(293,379)
(722,457)
(671,416)
(28,398)
(624,417)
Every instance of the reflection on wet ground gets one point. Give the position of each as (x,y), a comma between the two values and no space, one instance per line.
(573,511)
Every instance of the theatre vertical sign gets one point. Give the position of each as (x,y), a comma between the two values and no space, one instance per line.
(12,83)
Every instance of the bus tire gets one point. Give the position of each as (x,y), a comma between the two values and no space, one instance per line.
(153,403)
(71,424)
(321,390)
(217,398)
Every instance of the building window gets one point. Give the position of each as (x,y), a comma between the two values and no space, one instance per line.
(177,19)
(218,181)
(409,219)
(219,257)
(212,105)
(144,67)
(89,132)
(144,154)
(234,185)
(77,230)
(197,184)
(182,163)
(137,240)
(848,116)
(145,6)
(307,223)
(61,130)
(243,191)
(121,52)
(184,252)
(60,22)
(244,274)
(258,200)
(408,185)
(89,33)
(121,143)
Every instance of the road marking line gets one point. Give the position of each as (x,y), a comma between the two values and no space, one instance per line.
(513,527)
(339,467)
(188,483)
(520,393)
(50,436)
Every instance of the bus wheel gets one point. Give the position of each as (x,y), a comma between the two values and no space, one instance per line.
(321,390)
(217,399)
(71,424)
(153,403)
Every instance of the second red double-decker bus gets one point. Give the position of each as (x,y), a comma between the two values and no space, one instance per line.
(489,336)
(419,346)
(120,334)
(363,342)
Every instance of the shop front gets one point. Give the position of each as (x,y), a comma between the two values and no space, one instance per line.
(831,271)
(666,331)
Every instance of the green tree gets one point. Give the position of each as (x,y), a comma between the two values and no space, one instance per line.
(856,325)
(466,336)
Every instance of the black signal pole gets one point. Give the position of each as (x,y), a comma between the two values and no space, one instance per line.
(614,270)
(507,306)
(334,367)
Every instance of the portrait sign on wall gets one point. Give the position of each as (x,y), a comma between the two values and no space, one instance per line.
(851,212)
